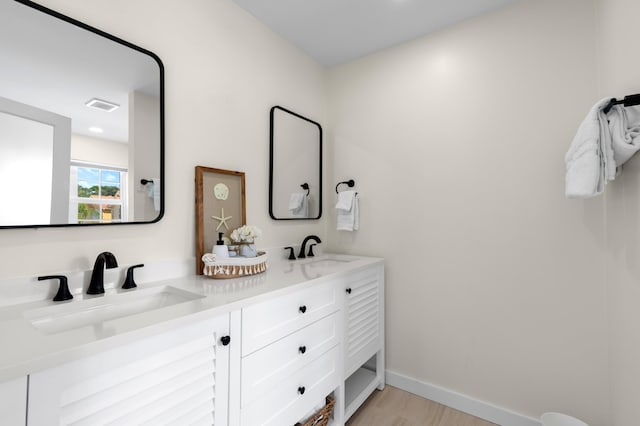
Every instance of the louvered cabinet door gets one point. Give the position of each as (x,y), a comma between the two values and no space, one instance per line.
(364,333)
(177,378)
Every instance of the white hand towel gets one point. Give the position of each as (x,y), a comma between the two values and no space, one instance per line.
(299,205)
(154,193)
(589,161)
(624,124)
(347,211)
(345,200)
(295,200)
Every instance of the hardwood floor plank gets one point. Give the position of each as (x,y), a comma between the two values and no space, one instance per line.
(395,407)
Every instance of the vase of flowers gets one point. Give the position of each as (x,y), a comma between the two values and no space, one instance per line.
(245,237)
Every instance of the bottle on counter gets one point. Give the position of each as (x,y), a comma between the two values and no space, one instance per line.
(220,249)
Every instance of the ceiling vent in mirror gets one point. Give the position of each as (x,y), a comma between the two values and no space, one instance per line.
(102,105)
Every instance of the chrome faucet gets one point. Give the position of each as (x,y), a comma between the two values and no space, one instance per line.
(303,247)
(104,259)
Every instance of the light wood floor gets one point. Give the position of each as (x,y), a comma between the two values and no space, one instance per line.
(395,407)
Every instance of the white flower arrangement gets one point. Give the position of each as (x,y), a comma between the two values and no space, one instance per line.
(246,234)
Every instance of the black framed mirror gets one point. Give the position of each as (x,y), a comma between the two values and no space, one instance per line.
(295,166)
(81,123)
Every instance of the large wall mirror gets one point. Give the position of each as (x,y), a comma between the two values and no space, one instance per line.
(81,123)
(295,166)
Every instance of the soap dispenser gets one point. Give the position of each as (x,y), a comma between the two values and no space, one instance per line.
(220,249)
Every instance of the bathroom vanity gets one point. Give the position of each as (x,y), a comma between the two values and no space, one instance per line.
(266,349)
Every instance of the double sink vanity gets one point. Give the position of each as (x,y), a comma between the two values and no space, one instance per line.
(261,350)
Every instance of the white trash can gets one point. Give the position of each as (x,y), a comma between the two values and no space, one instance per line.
(558,419)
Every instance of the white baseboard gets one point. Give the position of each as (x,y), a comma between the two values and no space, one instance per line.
(464,403)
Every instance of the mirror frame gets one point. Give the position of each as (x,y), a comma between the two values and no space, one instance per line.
(271,160)
(157,59)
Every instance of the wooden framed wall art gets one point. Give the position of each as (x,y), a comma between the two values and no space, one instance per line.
(220,207)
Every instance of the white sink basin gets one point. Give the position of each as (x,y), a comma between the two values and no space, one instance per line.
(316,267)
(76,314)
(328,261)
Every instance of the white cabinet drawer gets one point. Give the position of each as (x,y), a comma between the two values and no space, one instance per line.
(296,396)
(264,369)
(266,322)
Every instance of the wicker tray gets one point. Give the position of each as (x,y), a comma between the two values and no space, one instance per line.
(322,416)
(234,267)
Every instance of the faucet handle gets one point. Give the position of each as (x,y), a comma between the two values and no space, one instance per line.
(291,255)
(129,282)
(63,289)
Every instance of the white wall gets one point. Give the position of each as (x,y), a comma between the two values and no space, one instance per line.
(101,151)
(495,281)
(224,71)
(619,76)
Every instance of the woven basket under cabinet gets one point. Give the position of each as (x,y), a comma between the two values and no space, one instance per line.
(322,416)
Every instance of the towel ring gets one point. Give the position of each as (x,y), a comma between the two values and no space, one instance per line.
(306,186)
(350,183)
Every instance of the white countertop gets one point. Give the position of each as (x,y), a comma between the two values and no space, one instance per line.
(28,350)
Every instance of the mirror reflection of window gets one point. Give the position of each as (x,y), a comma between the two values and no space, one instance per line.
(97,194)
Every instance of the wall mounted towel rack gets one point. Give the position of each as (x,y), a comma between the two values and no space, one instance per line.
(629,100)
(306,186)
(350,183)
(146,181)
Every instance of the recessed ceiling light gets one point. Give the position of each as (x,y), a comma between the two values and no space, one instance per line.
(95,129)
(102,105)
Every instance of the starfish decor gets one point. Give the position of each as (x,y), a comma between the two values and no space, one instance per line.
(223,220)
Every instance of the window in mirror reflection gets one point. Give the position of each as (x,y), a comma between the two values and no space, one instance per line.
(97,194)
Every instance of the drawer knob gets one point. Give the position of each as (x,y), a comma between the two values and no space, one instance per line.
(225,340)
(302,349)
(349,290)
(301,390)
(303,309)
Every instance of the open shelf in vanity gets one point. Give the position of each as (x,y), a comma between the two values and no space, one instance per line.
(358,387)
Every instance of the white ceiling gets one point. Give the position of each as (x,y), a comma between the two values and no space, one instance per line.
(338,31)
